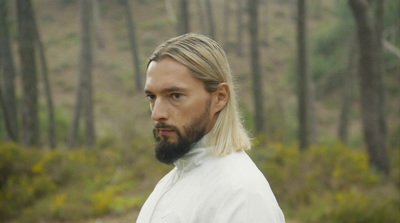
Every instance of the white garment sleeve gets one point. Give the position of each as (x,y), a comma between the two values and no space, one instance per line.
(247,207)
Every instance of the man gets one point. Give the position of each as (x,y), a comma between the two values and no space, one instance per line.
(198,129)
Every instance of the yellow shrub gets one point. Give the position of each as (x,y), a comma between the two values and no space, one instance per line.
(101,201)
(59,200)
(357,207)
(319,179)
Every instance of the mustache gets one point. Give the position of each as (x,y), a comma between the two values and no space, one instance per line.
(157,137)
(165,125)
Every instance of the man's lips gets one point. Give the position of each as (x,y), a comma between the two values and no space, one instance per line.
(165,131)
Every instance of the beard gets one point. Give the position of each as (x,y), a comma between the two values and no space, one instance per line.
(169,152)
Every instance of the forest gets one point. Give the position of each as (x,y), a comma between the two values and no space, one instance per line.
(318,83)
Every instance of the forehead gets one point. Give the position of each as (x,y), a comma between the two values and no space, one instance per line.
(169,73)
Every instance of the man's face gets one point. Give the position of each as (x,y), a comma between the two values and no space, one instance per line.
(180,108)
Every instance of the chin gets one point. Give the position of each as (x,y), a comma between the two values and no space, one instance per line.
(170,137)
(171,140)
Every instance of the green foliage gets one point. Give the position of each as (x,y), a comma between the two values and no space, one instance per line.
(332,43)
(329,183)
(112,199)
(330,49)
(391,16)
(247,117)
(356,207)
(326,183)
(70,185)
(20,183)
(61,123)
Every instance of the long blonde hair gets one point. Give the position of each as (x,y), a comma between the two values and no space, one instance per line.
(208,63)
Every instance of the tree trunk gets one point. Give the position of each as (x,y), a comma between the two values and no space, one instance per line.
(313,125)
(255,67)
(9,128)
(97,24)
(7,62)
(210,17)
(264,20)
(170,11)
(74,129)
(87,60)
(43,64)
(303,75)
(133,44)
(6,134)
(85,94)
(183,20)
(226,23)
(367,71)
(347,94)
(239,46)
(379,7)
(201,16)
(30,118)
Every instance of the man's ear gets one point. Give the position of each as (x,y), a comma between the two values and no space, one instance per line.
(222,96)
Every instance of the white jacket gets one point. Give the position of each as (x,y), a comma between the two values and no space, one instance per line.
(204,188)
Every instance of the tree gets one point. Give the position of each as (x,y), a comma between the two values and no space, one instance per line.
(8,70)
(183,19)
(368,74)
(9,128)
(170,11)
(380,63)
(26,38)
(303,75)
(239,34)
(84,100)
(347,94)
(43,64)
(226,23)
(264,20)
(210,17)
(133,44)
(255,67)
(201,16)
(97,24)
(313,131)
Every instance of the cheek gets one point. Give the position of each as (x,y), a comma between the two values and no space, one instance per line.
(182,116)
(192,109)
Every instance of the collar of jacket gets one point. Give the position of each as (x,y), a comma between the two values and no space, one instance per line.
(195,157)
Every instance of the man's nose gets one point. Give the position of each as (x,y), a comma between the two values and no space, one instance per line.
(159,111)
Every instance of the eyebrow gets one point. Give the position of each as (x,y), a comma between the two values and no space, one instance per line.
(168,90)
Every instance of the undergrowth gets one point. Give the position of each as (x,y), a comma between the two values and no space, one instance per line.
(326,183)
(330,183)
(72,185)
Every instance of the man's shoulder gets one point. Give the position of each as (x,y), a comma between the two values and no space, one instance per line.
(238,189)
(235,171)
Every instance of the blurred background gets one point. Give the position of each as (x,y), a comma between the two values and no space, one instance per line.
(317,80)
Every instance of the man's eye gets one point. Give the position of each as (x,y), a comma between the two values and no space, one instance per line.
(151,97)
(176,95)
